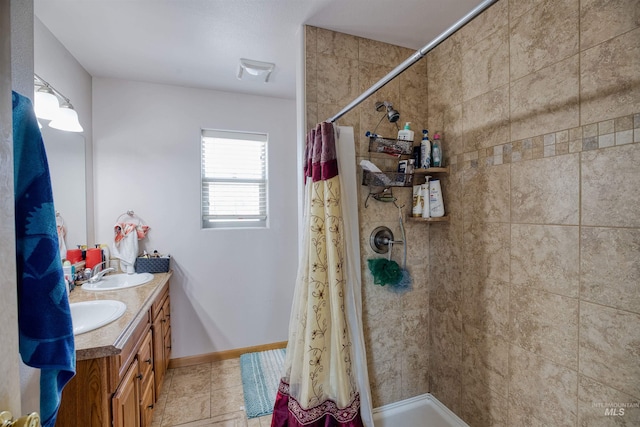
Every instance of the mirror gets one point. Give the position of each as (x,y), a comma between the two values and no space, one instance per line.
(66,157)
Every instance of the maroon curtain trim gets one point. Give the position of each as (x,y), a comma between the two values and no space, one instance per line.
(321,162)
(311,136)
(287,412)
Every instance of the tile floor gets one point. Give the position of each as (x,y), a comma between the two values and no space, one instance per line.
(206,395)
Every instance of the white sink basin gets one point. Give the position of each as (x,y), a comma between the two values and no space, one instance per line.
(118,281)
(89,315)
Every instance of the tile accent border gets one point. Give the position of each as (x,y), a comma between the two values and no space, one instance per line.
(608,133)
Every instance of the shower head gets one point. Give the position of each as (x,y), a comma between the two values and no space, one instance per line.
(392,114)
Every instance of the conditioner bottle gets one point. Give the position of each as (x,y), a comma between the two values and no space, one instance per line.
(416,210)
(424,188)
(436,204)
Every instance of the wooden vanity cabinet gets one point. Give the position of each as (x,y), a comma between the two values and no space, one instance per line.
(121,390)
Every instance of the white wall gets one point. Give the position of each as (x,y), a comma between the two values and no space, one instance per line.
(231,288)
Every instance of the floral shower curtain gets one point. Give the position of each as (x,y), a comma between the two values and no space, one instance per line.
(325,381)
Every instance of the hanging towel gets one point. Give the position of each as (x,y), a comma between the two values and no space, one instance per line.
(62,232)
(125,243)
(44,318)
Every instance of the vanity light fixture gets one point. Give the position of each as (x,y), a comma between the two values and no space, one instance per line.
(255,68)
(50,104)
(67,119)
(46,103)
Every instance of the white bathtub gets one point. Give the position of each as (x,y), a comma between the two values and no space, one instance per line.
(420,411)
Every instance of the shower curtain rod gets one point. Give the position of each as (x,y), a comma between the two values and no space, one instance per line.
(414,58)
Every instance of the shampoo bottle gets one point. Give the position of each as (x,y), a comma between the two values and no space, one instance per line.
(436,151)
(416,156)
(406,134)
(416,210)
(425,150)
(436,204)
(424,188)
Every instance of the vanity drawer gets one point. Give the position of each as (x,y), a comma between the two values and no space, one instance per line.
(120,362)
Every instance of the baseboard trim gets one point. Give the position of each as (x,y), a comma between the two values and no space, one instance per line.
(222,355)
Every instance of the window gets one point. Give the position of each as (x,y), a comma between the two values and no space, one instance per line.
(234,179)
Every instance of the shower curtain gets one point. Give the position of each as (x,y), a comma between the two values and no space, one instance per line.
(325,381)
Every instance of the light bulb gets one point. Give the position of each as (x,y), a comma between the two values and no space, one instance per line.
(67,119)
(46,104)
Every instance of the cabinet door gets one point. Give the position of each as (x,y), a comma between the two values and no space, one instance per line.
(147,403)
(166,331)
(159,365)
(167,347)
(126,400)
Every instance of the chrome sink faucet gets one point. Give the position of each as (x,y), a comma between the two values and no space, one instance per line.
(97,275)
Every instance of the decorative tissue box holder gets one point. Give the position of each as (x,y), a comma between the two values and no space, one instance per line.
(152,265)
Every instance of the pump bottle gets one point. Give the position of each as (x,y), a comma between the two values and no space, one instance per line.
(436,204)
(425,150)
(406,134)
(436,153)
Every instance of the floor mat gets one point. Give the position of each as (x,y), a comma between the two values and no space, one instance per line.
(261,373)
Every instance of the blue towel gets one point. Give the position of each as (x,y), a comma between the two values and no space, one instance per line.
(44,318)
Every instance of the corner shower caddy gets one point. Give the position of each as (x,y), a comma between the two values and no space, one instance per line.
(386,180)
(389,179)
(429,172)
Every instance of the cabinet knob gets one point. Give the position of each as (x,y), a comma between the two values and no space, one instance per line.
(169,347)
(150,406)
(139,376)
(148,361)
(164,320)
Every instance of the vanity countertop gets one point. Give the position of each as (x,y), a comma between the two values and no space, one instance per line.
(109,339)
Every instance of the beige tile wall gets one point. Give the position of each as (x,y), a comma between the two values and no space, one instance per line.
(529,295)
(338,68)
(535,285)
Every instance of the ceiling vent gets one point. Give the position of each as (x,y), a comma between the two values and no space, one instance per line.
(251,69)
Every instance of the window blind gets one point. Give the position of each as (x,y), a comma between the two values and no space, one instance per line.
(234,179)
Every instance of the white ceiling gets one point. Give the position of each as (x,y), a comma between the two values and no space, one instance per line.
(198,43)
